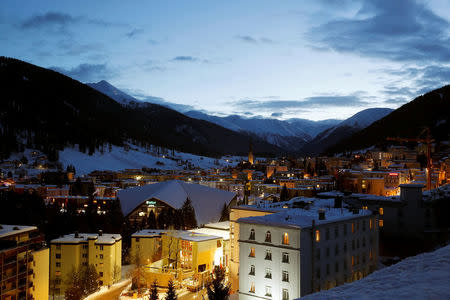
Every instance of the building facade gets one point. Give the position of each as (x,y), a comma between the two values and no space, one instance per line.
(24,261)
(75,251)
(293,253)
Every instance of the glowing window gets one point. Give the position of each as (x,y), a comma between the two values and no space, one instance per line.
(317,235)
(381,210)
(353,227)
(268,291)
(353,260)
(285,238)
(380,223)
(252,252)
(371,223)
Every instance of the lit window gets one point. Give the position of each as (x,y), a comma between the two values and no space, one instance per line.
(252,235)
(268,237)
(252,270)
(317,235)
(252,287)
(252,252)
(285,294)
(285,238)
(371,223)
(285,276)
(381,210)
(268,291)
(365,207)
(353,260)
(268,273)
(285,258)
(353,227)
(380,223)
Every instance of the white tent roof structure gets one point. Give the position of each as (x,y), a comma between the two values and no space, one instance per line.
(207,202)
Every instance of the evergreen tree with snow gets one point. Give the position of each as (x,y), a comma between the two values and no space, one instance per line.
(171,293)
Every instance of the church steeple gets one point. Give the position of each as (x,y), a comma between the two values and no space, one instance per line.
(250,153)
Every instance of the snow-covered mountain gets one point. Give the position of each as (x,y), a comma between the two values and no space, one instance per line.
(344,129)
(290,134)
(114,93)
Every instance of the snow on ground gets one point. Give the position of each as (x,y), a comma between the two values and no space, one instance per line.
(136,158)
(425,276)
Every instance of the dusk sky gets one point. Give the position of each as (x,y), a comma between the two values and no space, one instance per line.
(283,59)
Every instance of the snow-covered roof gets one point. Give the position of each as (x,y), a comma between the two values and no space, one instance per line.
(225,235)
(207,202)
(303,218)
(8,230)
(225,225)
(425,276)
(105,238)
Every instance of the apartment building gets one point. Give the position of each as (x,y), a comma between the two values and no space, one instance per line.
(77,250)
(236,213)
(296,252)
(24,261)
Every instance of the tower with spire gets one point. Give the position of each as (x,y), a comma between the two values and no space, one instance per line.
(250,153)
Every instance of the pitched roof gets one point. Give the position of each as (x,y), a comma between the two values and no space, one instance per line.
(207,202)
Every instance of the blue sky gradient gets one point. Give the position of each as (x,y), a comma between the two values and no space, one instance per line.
(305,59)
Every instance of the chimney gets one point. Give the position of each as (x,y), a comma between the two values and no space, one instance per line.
(100,232)
(321,214)
(76,234)
(338,202)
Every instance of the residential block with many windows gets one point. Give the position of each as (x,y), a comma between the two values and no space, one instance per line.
(77,250)
(295,252)
(24,260)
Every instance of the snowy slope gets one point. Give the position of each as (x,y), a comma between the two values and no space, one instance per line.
(135,158)
(113,92)
(366,117)
(344,129)
(425,276)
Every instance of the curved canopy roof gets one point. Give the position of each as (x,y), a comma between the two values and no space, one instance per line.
(207,202)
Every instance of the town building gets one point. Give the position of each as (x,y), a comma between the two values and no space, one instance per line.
(236,213)
(295,252)
(24,261)
(208,202)
(75,251)
(176,254)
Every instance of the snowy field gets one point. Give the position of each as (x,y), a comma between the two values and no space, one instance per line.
(425,276)
(137,158)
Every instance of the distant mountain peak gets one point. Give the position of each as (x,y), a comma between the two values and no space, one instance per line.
(108,89)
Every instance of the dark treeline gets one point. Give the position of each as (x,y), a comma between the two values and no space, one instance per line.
(48,111)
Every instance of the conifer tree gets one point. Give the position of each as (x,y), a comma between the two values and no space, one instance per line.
(225,215)
(151,221)
(283,194)
(154,291)
(171,293)
(216,287)
(188,212)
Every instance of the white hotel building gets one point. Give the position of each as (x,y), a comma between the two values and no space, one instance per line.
(296,252)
